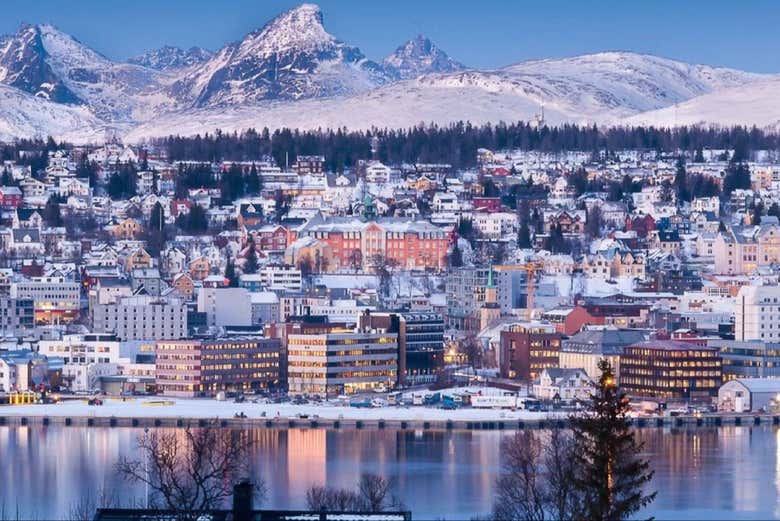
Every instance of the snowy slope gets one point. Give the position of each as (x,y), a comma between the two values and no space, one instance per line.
(291,57)
(755,104)
(25,115)
(601,88)
(604,88)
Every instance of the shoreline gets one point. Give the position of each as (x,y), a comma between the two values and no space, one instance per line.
(143,412)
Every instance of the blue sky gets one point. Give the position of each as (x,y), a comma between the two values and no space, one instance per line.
(480,33)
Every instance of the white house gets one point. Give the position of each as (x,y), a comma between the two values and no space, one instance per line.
(566,384)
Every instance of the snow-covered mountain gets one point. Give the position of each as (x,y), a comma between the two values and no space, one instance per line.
(293,73)
(419,56)
(292,57)
(601,88)
(169,58)
(41,60)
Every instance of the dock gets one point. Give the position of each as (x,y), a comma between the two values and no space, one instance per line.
(707,420)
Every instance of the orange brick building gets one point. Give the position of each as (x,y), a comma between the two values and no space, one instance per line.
(409,244)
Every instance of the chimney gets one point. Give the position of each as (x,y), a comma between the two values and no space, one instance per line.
(242,500)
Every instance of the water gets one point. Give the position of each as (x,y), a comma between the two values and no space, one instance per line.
(701,473)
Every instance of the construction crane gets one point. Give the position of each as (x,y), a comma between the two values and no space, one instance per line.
(531,268)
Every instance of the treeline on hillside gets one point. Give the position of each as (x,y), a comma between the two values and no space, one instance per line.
(456,144)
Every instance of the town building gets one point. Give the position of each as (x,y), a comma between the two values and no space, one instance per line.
(140,317)
(420,342)
(406,243)
(527,348)
(592,345)
(225,306)
(757,314)
(204,367)
(749,395)
(670,370)
(341,361)
(563,384)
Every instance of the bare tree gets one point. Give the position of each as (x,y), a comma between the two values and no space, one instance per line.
(374,494)
(189,471)
(323,499)
(384,267)
(536,481)
(471,348)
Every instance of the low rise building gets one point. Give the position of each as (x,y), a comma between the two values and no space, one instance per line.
(563,384)
(195,367)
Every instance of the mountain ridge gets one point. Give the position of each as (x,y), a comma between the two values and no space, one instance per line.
(292,72)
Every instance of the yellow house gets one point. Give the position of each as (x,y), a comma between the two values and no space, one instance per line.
(127,229)
(184,285)
(200,268)
(628,266)
(138,259)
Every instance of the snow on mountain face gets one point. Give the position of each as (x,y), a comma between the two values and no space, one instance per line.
(753,104)
(621,82)
(292,57)
(600,89)
(293,73)
(169,58)
(48,63)
(417,57)
(23,64)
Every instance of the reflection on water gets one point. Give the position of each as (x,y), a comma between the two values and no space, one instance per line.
(730,472)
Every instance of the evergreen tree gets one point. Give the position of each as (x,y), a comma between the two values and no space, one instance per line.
(232,185)
(157,218)
(681,182)
(523,236)
(610,472)
(230,273)
(758,211)
(51,212)
(737,177)
(253,182)
(7,179)
(774,210)
(251,264)
(594,222)
(699,157)
(489,189)
(195,221)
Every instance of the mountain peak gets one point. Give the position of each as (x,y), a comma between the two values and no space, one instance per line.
(290,57)
(299,28)
(420,56)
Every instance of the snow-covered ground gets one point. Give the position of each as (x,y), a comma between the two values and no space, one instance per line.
(208,408)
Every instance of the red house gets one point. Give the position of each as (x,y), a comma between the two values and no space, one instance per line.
(11,197)
(487,204)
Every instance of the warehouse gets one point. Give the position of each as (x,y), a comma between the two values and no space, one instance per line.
(748,394)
